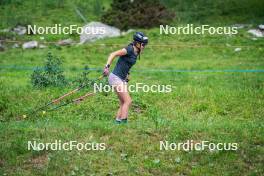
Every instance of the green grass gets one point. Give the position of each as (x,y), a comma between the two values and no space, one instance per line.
(48,12)
(212,106)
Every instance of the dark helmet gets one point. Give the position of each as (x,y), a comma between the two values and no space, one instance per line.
(140,37)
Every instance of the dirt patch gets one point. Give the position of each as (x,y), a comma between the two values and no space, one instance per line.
(38,162)
(138,108)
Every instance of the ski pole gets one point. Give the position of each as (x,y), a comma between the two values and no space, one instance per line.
(55,101)
(78,100)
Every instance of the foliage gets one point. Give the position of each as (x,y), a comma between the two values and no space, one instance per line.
(51,75)
(126,14)
(83,78)
(204,11)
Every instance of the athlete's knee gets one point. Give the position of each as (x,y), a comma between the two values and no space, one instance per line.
(121,102)
(128,102)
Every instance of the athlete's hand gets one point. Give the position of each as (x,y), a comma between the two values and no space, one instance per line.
(106,70)
(127,78)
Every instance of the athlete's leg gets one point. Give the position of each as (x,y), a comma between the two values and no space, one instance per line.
(125,100)
(118,114)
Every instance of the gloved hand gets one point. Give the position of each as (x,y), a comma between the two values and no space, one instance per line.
(106,70)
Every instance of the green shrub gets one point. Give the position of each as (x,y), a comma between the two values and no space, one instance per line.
(84,78)
(126,14)
(208,11)
(50,75)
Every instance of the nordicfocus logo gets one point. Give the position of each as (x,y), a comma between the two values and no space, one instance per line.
(198,146)
(190,29)
(59,29)
(138,87)
(59,145)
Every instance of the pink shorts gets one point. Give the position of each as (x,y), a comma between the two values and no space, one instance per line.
(115,80)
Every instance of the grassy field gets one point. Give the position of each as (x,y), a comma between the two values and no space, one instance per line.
(213,106)
(217,96)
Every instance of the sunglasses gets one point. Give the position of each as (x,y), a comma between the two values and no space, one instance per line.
(144,44)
